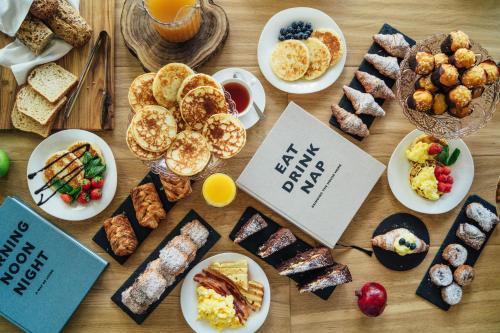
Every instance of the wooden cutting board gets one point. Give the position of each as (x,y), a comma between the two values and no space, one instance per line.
(87,111)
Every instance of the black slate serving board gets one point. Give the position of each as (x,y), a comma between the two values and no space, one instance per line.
(392,260)
(427,289)
(253,242)
(367,67)
(213,237)
(128,209)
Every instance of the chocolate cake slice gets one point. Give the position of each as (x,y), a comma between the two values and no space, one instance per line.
(255,224)
(306,261)
(279,240)
(334,276)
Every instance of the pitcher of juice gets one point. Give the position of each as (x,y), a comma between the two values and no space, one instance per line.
(175,20)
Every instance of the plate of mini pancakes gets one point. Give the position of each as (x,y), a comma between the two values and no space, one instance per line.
(182,121)
(302,66)
(61,144)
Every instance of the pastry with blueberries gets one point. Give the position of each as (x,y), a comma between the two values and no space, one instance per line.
(401,241)
(441,275)
(452,294)
(454,41)
(445,76)
(422,63)
(455,254)
(463,58)
(439,105)
(463,275)
(492,71)
(421,100)
(425,82)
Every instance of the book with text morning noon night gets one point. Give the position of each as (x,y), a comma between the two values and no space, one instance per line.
(310,175)
(44,273)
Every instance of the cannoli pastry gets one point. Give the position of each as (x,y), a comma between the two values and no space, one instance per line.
(463,58)
(277,241)
(349,122)
(148,207)
(363,103)
(196,231)
(151,283)
(471,235)
(120,235)
(492,71)
(133,303)
(439,105)
(474,77)
(425,82)
(485,218)
(454,41)
(185,245)
(395,44)
(306,261)
(455,254)
(156,265)
(445,76)
(422,63)
(421,100)
(173,261)
(255,224)
(387,66)
(439,59)
(459,97)
(441,275)
(463,275)
(375,86)
(335,275)
(401,240)
(452,294)
(176,187)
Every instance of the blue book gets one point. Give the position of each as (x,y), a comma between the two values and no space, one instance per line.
(44,273)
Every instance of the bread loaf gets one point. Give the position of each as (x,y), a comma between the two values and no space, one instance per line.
(69,25)
(43,9)
(34,34)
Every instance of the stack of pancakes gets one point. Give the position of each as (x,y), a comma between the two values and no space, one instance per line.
(183,117)
(292,60)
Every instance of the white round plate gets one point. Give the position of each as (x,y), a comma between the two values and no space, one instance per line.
(269,39)
(258,92)
(398,176)
(189,301)
(55,206)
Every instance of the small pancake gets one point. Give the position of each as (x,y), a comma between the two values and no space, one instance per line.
(167,82)
(181,124)
(138,151)
(320,58)
(200,103)
(332,41)
(195,81)
(290,60)
(154,128)
(225,134)
(189,154)
(70,163)
(140,92)
(78,148)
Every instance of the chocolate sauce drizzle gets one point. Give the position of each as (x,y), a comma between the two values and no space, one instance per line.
(72,174)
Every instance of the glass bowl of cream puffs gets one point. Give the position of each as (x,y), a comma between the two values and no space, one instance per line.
(449,85)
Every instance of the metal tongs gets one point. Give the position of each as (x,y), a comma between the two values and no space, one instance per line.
(102,41)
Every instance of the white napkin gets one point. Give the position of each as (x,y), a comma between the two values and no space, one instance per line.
(16,55)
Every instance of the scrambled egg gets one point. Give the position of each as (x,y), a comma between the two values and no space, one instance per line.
(425,183)
(418,152)
(403,250)
(218,310)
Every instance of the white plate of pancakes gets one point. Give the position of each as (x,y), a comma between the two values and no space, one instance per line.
(288,75)
(60,141)
(189,299)
(398,176)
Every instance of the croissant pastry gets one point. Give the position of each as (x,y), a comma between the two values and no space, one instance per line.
(387,66)
(148,207)
(349,122)
(120,235)
(401,240)
(396,45)
(176,188)
(374,86)
(363,103)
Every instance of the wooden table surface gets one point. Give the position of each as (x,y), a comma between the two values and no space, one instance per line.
(291,312)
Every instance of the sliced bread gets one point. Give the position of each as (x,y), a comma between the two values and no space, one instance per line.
(51,81)
(36,106)
(34,34)
(24,123)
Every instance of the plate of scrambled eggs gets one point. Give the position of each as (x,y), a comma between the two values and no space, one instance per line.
(207,309)
(415,182)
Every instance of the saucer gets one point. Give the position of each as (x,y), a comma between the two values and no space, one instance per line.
(259,95)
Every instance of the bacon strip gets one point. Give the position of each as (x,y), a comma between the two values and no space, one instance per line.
(224,286)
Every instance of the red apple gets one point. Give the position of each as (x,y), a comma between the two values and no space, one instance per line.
(372,299)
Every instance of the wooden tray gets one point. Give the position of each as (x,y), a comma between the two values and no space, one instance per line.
(87,111)
(153,52)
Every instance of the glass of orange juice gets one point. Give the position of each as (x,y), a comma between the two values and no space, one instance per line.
(219,190)
(175,20)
